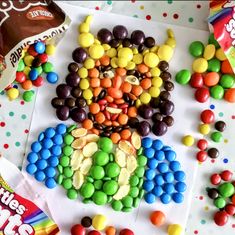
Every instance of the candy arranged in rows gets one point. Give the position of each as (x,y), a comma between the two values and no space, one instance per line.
(121,81)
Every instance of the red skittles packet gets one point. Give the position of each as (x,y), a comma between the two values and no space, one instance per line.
(222,19)
(19,216)
(24,22)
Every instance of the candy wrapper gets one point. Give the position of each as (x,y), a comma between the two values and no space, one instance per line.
(222,23)
(22,23)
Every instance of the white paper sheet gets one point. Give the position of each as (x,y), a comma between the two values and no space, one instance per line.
(186,114)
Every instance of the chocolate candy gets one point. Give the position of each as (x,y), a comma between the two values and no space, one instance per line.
(169,120)
(220,126)
(73,67)
(159,128)
(213,193)
(126,42)
(78,115)
(213,153)
(157,117)
(72,79)
(104,35)
(163,66)
(165,95)
(86,222)
(169,86)
(57,102)
(145,111)
(63,91)
(167,107)
(120,32)
(149,42)
(76,92)
(62,113)
(70,102)
(79,55)
(137,37)
(144,128)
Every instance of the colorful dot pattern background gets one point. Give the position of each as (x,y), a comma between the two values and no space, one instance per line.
(15,116)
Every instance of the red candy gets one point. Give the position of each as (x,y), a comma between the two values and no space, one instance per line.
(230,209)
(78,229)
(94,232)
(20,77)
(31,51)
(126,231)
(196,80)
(207,116)
(201,156)
(202,94)
(202,144)
(221,218)
(43,58)
(226,175)
(215,179)
(39,81)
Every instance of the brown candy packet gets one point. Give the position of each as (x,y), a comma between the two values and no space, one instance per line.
(22,23)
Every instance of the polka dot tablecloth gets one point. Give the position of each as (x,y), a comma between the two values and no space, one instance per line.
(15,116)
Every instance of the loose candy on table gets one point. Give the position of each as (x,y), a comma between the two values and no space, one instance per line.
(175,229)
(188,140)
(78,229)
(157,218)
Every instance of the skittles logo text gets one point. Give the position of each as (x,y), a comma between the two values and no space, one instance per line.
(11,212)
(230,27)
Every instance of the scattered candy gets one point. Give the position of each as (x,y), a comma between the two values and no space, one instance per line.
(157,218)
(188,140)
(174,229)
(99,222)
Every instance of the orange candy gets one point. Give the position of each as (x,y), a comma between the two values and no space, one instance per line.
(115,93)
(119,101)
(211,79)
(94,108)
(226,67)
(108,123)
(132,112)
(115,137)
(115,123)
(230,95)
(97,63)
(87,124)
(126,87)
(100,118)
(157,218)
(109,98)
(93,73)
(122,119)
(110,230)
(105,60)
(142,68)
(27,84)
(106,82)
(96,91)
(117,81)
(95,131)
(94,82)
(121,71)
(136,90)
(125,134)
(146,83)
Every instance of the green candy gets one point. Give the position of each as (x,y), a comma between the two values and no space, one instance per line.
(127,209)
(97,172)
(98,184)
(72,194)
(142,160)
(28,96)
(110,187)
(39,70)
(60,179)
(60,169)
(196,48)
(21,66)
(212,40)
(111,157)
(141,181)
(112,170)
(106,178)
(134,192)
(183,76)
(64,161)
(90,179)
(213,65)
(87,201)
(87,190)
(109,199)
(67,150)
(226,190)
(99,198)
(226,81)
(48,67)
(134,180)
(67,183)
(219,202)
(136,202)
(140,171)
(68,139)
(72,127)
(216,136)
(68,172)
(141,194)
(101,158)
(117,205)
(140,151)
(105,144)
(217,92)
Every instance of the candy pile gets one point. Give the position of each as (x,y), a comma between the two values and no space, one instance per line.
(223,196)
(118,78)
(212,73)
(33,63)
(164,179)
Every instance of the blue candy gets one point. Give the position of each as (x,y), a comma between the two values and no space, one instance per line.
(170,155)
(47,143)
(159,155)
(147,142)
(149,152)
(179,176)
(180,187)
(36,147)
(159,180)
(56,150)
(31,168)
(175,166)
(41,164)
(33,74)
(157,191)
(168,188)
(178,197)
(57,139)
(45,153)
(157,144)
(148,185)
(53,161)
(166,148)
(41,136)
(152,163)
(32,157)
(49,132)
(150,174)
(169,177)
(150,198)
(40,47)
(52,77)
(50,183)
(61,129)
(163,167)
(165,198)
(40,176)
(50,172)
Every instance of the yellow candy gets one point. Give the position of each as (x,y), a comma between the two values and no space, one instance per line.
(112,52)
(200,65)
(106,46)
(145,52)
(126,52)
(154,91)
(154,49)
(120,47)
(84,84)
(122,62)
(171,42)
(13,93)
(28,60)
(138,58)
(130,65)
(89,102)
(82,72)
(220,54)
(209,52)
(99,222)
(23,54)
(89,63)
(151,59)
(175,229)
(114,62)
(50,49)
(96,51)
(27,70)
(170,33)
(145,98)
(135,51)
(96,41)
(86,39)
(88,19)
(155,72)
(157,81)
(84,28)
(87,94)
(137,103)
(188,140)
(204,129)
(165,52)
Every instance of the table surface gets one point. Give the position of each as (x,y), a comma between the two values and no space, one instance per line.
(15,117)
